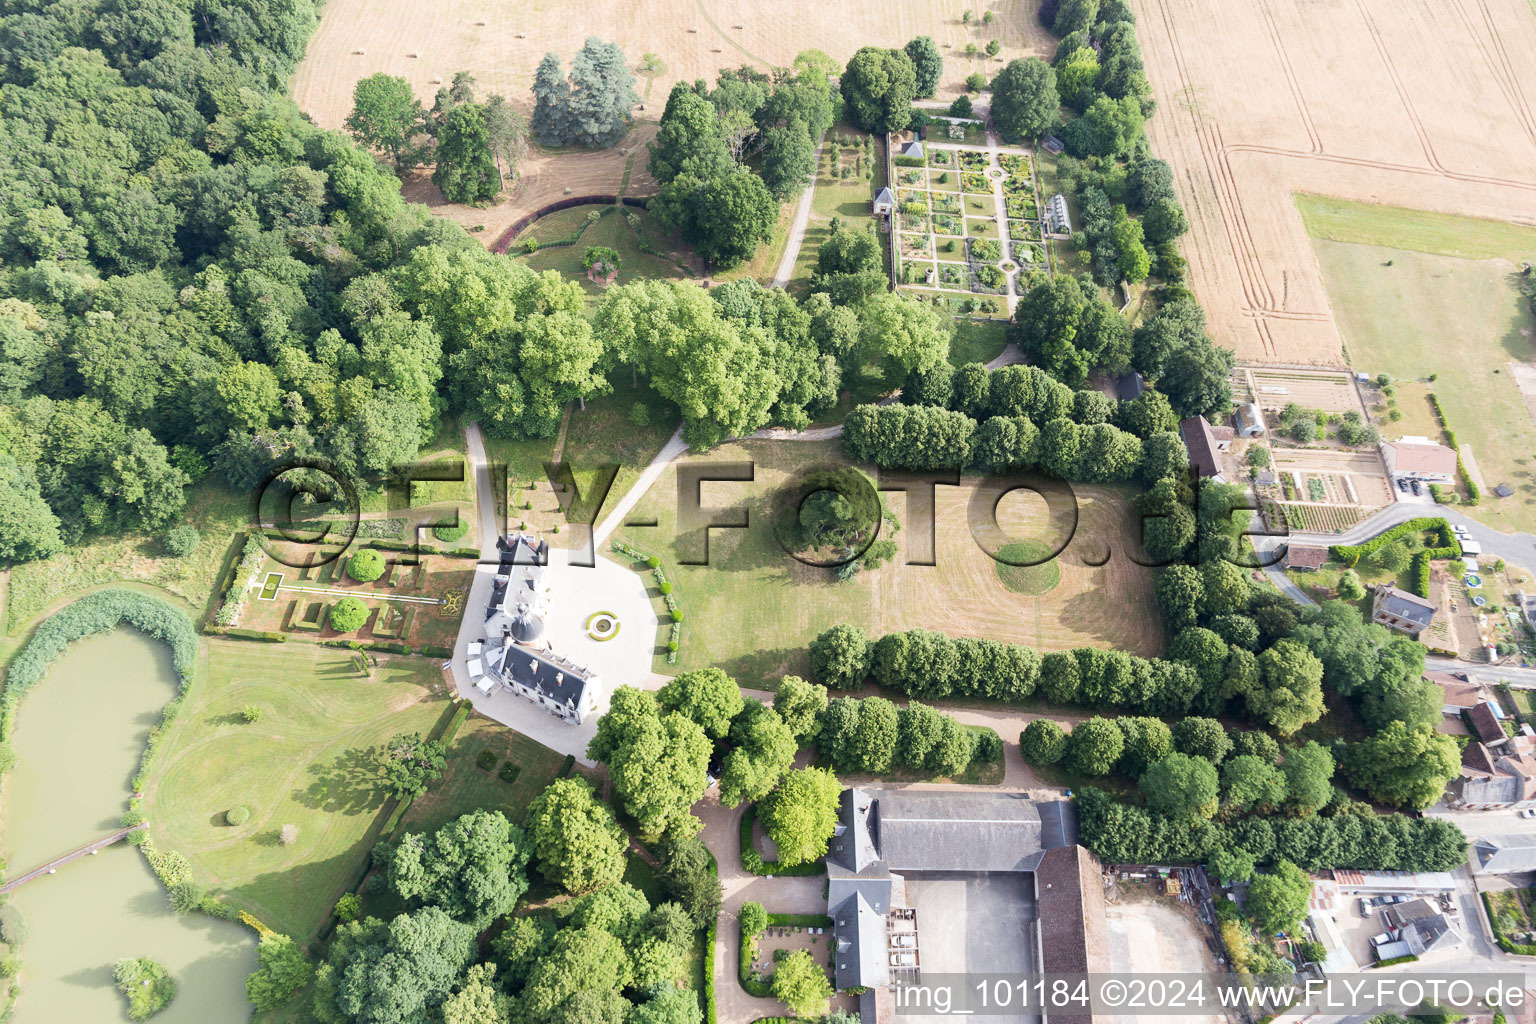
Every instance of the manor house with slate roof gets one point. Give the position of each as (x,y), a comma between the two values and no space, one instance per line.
(515,655)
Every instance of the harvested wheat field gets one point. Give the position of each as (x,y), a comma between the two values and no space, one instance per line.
(501,44)
(1426,104)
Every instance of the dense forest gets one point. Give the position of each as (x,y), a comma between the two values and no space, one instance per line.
(195,278)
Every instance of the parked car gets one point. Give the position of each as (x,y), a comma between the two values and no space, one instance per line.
(1529,812)
(1402,485)
(1418,488)
(1382,939)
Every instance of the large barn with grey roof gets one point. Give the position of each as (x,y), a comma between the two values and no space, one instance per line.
(885,837)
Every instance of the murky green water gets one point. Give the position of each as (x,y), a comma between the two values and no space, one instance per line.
(78,738)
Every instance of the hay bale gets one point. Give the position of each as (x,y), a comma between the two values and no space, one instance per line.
(568,190)
(693,31)
(359,52)
(413,55)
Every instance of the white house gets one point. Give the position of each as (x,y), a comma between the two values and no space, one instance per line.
(1418,458)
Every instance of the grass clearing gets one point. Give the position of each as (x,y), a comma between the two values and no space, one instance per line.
(1441,234)
(1464,321)
(752,609)
(977,341)
(612,230)
(215,510)
(605,432)
(305,763)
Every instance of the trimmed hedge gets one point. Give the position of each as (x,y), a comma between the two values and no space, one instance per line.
(1418,573)
(753,861)
(264,635)
(1350,554)
(1474,496)
(1393,961)
(907,161)
(799,920)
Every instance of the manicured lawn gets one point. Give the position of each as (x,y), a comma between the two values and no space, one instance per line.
(466,786)
(305,763)
(980,227)
(1461,320)
(752,609)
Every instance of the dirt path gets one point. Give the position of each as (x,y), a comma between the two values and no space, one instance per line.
(797,231)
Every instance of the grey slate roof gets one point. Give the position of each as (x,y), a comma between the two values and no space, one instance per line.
(853,847)
(859,932)
(1404,605)
(1201,444)
(1503,855)
(1424,927)
(956,831)
(542,673)
(885,195)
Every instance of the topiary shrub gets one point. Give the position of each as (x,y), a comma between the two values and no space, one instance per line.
(666,587)
(348,615)
(365,566)
(450,533)
(237,815)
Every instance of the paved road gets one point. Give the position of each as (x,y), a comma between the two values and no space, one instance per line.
(1515,548)
(797,230)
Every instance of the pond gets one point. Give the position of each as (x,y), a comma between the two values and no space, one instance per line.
(78,738)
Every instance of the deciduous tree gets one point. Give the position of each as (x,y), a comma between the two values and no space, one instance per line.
(386,115)
(574,840)
(1024,100)
(801,813)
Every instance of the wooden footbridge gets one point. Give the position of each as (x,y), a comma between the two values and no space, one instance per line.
(75,854)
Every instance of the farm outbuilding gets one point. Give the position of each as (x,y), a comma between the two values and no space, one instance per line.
(885,202)
(1250,421)
(1304,558)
